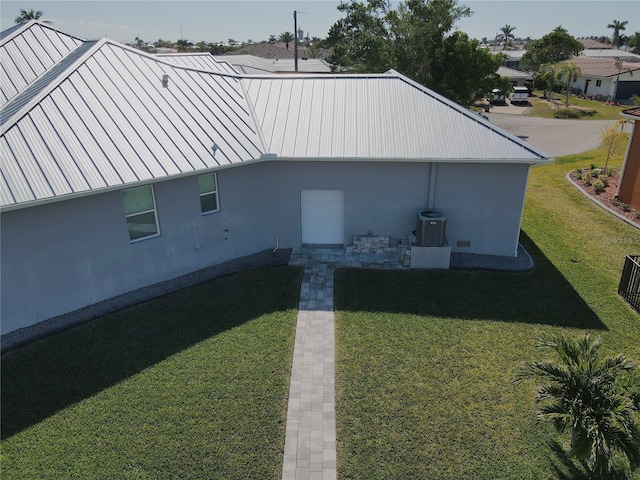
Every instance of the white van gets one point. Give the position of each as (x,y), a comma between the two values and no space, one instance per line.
(520,94)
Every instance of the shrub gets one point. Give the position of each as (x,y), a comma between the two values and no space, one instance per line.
(599,186)
(596,172)
(566,113)
(592,167)
(587,181)
(615,202)
(611,171)
(604,180)
(637,214)
(578,174)
(625,207)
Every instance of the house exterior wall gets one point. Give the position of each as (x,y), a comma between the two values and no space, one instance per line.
(608,84)
(62,256)
(483,205)
(629,188)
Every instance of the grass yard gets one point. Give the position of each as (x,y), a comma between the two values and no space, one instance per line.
(425,359)
(591,109)
(192,385)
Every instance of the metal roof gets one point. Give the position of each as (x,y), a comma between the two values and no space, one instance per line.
(198,61)
(107,121)
(374,116)
(100,118)
(250,64)
(26,52)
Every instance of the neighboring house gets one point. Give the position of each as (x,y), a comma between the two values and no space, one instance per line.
(591,44)
(517,78)
(611,53)
(629,182)
(120,170)
(601,76)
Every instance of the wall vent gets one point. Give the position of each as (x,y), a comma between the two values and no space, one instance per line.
(463,243)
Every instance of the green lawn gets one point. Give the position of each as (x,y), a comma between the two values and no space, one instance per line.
(425,359)
(191,385)
(591,109)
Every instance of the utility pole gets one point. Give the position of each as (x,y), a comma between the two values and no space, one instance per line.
(295,39)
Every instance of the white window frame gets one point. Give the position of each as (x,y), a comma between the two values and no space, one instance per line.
(155,215)
(212,192)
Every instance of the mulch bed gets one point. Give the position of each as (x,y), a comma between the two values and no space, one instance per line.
(607,196)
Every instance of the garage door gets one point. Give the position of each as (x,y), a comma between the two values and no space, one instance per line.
(323,217)
(627,89)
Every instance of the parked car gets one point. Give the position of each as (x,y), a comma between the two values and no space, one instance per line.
(497,97)
(520,95)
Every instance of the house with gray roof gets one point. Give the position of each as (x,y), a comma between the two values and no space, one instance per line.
(121,170)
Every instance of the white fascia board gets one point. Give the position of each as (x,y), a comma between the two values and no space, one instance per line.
(478,161)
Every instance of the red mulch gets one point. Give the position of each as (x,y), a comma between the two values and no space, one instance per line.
(608,196)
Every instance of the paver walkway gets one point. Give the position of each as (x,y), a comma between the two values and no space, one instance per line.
(310,442)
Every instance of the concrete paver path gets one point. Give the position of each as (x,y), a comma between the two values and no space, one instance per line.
(310,442)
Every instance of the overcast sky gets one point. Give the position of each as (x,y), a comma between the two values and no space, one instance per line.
(241,20)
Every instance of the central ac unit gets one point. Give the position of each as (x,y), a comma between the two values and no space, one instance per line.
(431,225)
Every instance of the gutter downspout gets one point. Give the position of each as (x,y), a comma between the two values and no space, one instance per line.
(432,185)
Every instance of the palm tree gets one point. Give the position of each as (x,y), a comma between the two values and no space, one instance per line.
(286,37)
(617,27)
(597,398)
(568,72)
(28,15)
(507,33)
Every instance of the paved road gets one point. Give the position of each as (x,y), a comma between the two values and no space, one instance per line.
(555,137)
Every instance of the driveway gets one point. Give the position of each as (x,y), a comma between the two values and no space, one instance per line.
(555,137)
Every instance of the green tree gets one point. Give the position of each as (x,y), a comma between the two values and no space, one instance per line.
(597,398)
(461,81)
(272,39)
(286,37)
(415,39)
(617,26)
(553,47)
(507,33)
(28,15)
(568,73)
(361,41)
(634,43)
(546,78)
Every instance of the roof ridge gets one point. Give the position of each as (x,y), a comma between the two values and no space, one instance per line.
(13,110)
(15,30)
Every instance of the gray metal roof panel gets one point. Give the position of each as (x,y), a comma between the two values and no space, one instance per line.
(28,51)
(383,116)
(106,121)
(198,61)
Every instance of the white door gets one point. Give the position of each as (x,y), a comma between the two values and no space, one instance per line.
(323,216)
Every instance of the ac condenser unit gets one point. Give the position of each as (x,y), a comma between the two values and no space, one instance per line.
(431,225)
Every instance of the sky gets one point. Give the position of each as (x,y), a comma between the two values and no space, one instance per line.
(243,20)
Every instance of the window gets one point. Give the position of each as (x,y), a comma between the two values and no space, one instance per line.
(598,83)
(140,210)
(208,186)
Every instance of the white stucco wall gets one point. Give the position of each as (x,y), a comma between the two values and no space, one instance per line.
(63,256)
